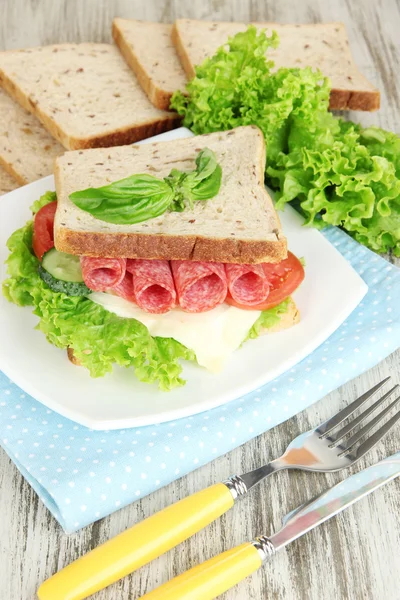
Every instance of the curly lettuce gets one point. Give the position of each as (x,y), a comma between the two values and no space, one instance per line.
(98,337)
(334,172)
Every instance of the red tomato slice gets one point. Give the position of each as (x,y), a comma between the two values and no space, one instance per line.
(43,229)
(283,277)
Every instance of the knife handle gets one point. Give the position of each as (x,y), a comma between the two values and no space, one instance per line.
(211,578)
(138,545)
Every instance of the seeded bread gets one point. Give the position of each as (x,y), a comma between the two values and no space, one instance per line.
(149,51)
(322,45)
(27,151)
(238,225)
(7,183)
(84,94)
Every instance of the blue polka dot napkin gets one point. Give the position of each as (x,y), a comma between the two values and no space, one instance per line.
(82,475)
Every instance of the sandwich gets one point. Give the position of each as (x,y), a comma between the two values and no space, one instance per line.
(147,255)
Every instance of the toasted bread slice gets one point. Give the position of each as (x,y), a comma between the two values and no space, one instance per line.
(84,94)
(27,150)
(321,45)
(155,64)
(288,319)
(238,225)
(7,183)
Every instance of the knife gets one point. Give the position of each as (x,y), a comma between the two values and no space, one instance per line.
(219,574)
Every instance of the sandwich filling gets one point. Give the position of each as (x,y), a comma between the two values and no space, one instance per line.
(142,313)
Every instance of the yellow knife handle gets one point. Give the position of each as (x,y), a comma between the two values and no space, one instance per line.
(211,578)
(138,545)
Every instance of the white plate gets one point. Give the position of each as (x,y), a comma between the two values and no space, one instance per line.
(119,400)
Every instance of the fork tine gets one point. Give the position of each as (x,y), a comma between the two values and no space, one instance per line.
(354,422)
(364,430)
(378,435)
(330,424)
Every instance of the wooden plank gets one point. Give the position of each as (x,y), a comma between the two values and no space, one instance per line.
(354,556)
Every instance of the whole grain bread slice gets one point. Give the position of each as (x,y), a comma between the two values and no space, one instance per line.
(321,45)
(149,51)
(238,225)
(84,94)
(27,150)
(7,183)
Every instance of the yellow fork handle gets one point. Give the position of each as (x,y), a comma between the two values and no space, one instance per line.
(212,578)
(137,546)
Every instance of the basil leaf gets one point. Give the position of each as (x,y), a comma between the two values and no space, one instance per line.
(209,187)
(128,201)
(141,197)
(206,162)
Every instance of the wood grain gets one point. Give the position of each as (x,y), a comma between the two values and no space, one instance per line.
(353,557)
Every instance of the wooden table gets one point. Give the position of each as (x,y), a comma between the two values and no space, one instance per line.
(354,556)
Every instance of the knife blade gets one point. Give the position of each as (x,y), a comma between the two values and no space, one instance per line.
(334,500)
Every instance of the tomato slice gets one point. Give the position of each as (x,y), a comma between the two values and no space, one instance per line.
(283,277)
(43,229)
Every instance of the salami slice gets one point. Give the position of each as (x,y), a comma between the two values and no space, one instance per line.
(125,288)
(200,285)
(153,285)
(101,274)
(247,284)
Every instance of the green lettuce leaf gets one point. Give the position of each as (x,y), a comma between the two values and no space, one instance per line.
(334,172)
(268,318)
(43,200)
(99,338)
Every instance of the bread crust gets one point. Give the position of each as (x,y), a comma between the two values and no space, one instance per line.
(182,54)
(72,358)
(121,137)
(347,100)
(157,96)
(11,171)
(125,245)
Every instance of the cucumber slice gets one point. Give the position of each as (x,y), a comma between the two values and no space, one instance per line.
(60,265)
(66,287)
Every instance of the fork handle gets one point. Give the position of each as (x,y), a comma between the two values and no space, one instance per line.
(211,578)
(138,545)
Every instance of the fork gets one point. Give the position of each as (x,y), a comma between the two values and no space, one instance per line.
(321,449)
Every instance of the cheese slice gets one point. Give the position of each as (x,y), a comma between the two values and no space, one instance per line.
(212,335)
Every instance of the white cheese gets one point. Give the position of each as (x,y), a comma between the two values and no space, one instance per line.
(212,335)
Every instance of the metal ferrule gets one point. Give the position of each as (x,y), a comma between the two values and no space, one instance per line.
(264,547)
(236,486)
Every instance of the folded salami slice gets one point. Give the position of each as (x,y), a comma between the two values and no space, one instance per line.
(200,285)
(247,283)
(153,285)
(125,288)
(101,274)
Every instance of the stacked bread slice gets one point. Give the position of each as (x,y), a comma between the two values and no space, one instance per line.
(89,95)
(323,45)
(69,96)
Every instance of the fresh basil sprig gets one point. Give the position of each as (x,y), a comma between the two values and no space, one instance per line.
(141,197)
